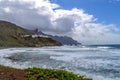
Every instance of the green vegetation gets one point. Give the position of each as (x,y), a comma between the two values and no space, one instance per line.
(46,74)
(42,74)
(11,36)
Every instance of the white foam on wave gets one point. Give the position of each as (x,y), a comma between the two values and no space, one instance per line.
(9,51)
(104,47)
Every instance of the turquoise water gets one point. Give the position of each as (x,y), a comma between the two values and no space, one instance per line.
(100,62)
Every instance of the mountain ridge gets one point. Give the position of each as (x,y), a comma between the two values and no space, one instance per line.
(65,40)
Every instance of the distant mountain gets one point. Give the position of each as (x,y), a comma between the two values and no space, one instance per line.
(12,35)
(65,40)
(62,39)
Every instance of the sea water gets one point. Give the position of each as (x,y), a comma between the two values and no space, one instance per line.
(98,62)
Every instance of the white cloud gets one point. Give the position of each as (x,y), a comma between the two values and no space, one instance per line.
(96,33)
(117,0)
(114,1)
(50,18)
(7,9)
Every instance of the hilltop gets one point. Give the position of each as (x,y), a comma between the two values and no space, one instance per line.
(12,35)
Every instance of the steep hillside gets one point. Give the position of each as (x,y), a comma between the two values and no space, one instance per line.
(11,35)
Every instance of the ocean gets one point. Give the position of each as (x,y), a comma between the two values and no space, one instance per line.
(100,62)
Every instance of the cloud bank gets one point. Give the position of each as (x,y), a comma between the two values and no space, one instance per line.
(51,18)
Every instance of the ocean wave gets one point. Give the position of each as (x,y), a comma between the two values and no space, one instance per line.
(99,62)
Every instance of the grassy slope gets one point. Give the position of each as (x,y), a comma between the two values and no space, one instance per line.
(8,73)
(10,36)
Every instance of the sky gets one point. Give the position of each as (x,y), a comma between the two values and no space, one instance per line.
(107,11)
(87,21)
